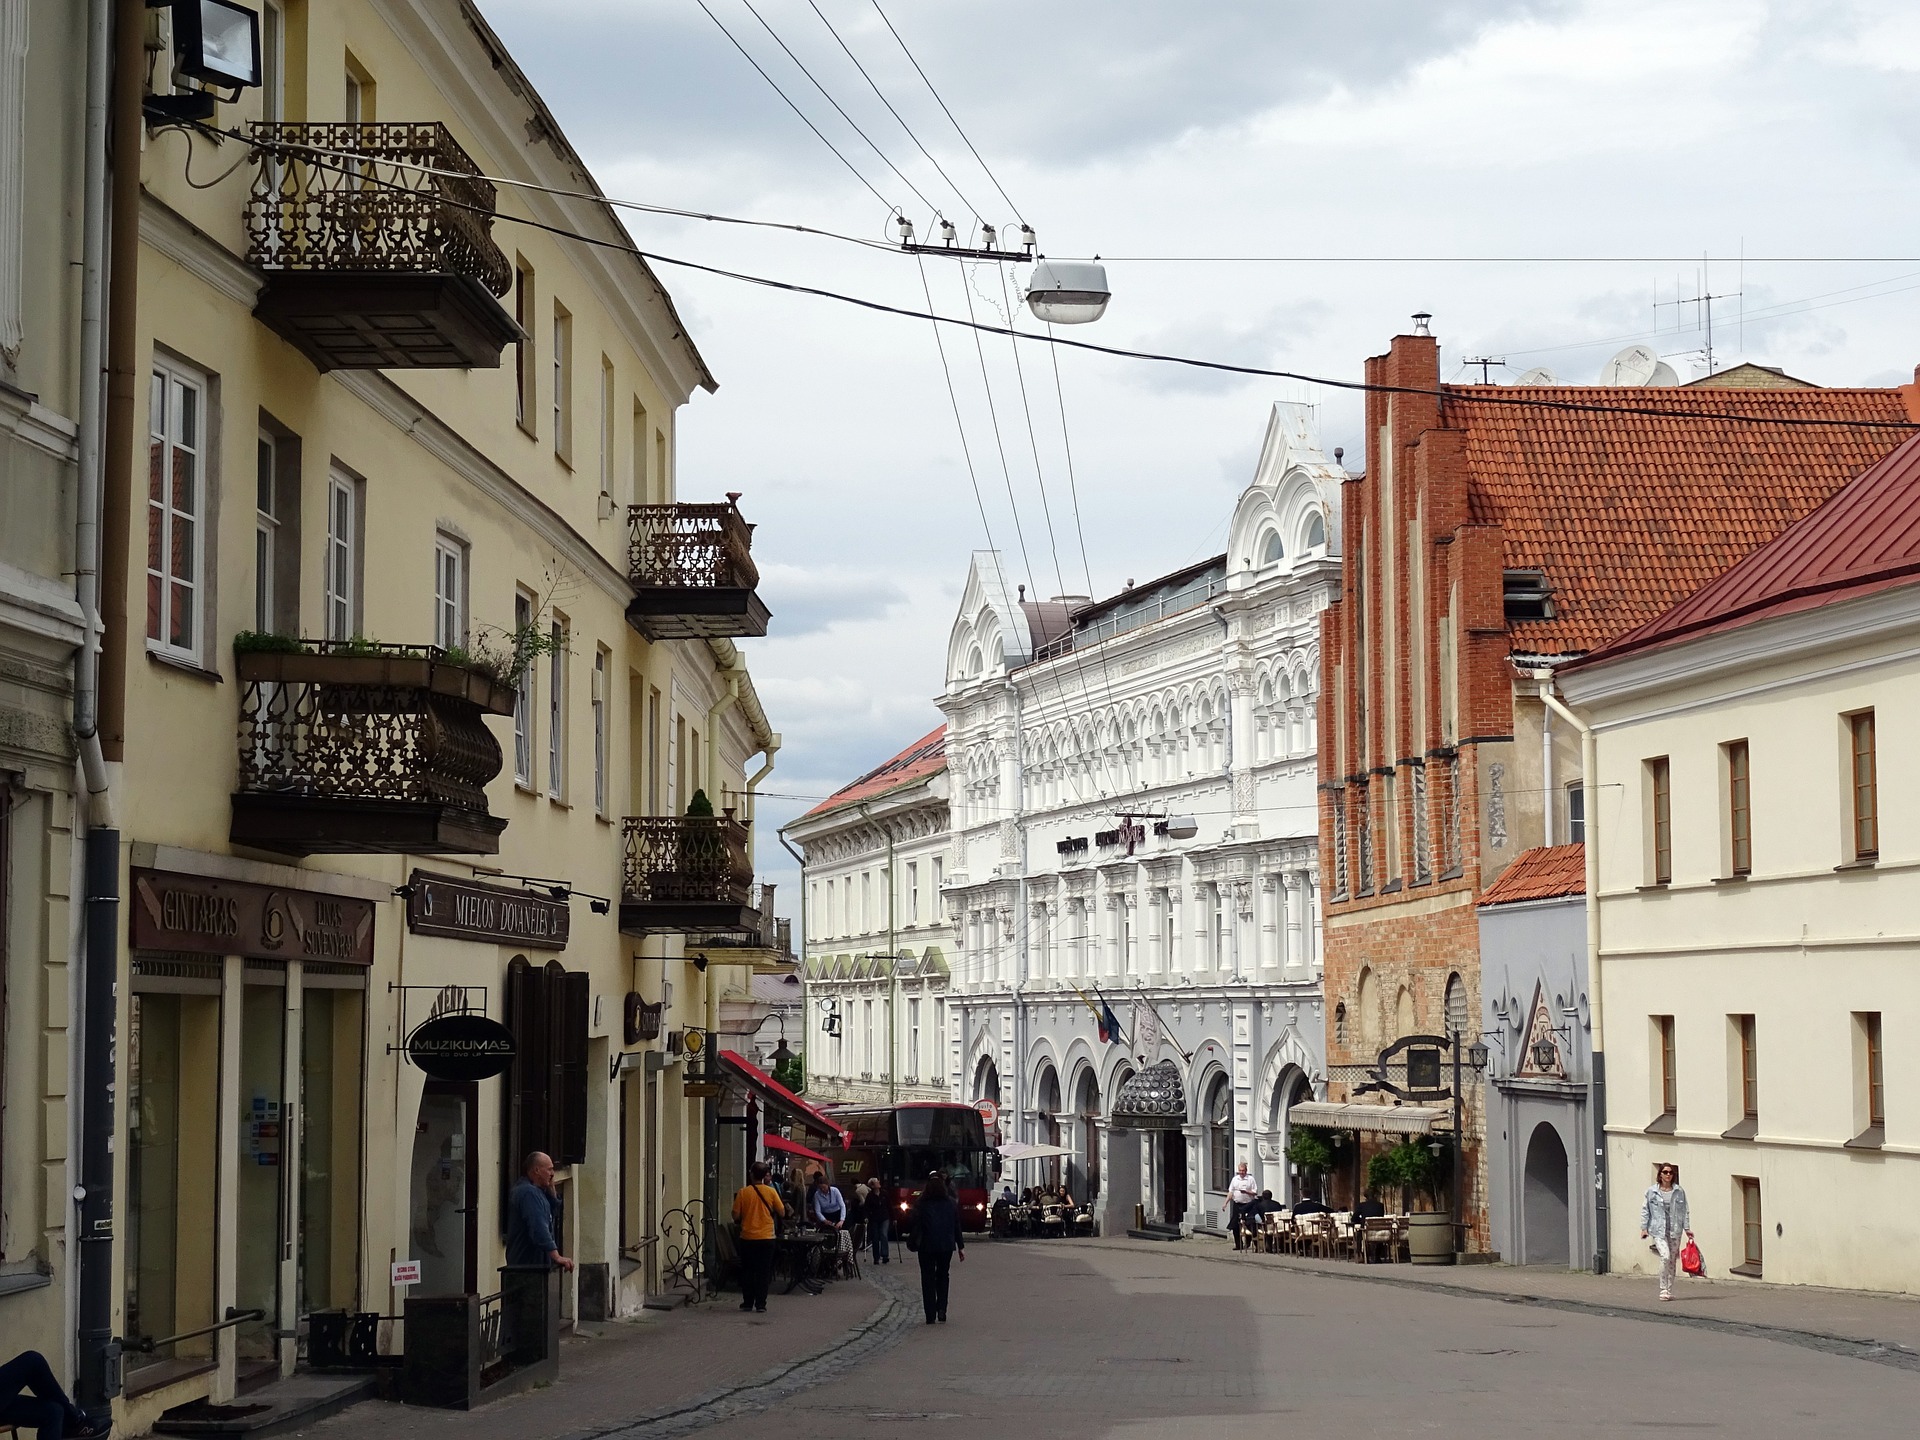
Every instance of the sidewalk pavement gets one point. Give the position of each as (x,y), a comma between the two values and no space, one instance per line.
(1855,1319)
(616,1372)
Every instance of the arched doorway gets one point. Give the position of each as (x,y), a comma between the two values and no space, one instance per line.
(986,1081)
(1288,1091)
(1049,1127)
(1086,1184)
(1543,1234)
(1218,1111)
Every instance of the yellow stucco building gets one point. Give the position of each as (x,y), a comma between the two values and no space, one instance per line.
(414,663)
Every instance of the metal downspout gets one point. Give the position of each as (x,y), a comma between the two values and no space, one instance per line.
(1597,1084)
(97,1356)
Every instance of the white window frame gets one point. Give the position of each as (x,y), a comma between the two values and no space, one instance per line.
(913,1039)
(340,569)
(449,593)
(523,702)
(178,396)
(266,526)
(913,892)
(557,712)
(563,384)
(606,426)
(601,669)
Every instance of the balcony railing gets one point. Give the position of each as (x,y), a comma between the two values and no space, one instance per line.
(687,873)
(376,244)
(358,749)
(767,945)
(692,572)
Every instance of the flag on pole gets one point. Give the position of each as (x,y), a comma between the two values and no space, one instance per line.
(1110,1031)
(1146,1032)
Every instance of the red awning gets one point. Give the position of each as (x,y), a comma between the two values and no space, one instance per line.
(788,1147)
(778,1094)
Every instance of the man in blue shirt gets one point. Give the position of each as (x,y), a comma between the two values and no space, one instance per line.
(532,1207)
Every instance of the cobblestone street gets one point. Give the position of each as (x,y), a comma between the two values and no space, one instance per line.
(1085,1341)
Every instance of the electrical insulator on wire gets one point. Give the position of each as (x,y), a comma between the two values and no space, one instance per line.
(906,230)
(989,237)
(948,235)
(1028,238)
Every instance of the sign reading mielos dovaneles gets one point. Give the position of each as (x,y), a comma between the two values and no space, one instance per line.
(194,914)
(492,914)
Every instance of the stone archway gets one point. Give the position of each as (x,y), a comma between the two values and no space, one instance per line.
(1086,1184)
(1543,1210)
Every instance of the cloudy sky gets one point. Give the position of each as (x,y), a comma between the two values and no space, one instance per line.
(1549,134)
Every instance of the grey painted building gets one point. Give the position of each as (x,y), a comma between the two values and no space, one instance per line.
(1535,1012)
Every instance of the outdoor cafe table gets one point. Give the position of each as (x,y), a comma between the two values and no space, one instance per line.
(804,1253)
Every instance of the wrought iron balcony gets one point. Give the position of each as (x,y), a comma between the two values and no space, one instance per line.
(692,571)
(688,874)
(767,945)
(357,749)
(376,247)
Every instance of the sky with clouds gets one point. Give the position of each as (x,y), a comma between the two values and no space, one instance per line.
(1549,134)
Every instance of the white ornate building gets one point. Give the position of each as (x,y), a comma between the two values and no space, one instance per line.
(878,945)
(1134,815)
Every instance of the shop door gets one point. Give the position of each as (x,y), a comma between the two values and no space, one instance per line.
(332,1081)
(1173,1176)
(444,1191)
(260,1200)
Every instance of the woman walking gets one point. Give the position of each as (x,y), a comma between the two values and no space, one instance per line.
(1664,1220)
(938,1239)
(879,1218)
(754,1209)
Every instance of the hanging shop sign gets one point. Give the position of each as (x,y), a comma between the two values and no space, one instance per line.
(494,914)
(194,915)
(461,1046)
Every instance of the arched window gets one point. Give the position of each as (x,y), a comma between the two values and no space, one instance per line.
(1368,1004)
(1456,1005)
(1273,551)
(1316,535)
(1220,1135)
(1340,1023)
(1403,1013)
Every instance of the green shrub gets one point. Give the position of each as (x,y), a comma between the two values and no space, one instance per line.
(268,642)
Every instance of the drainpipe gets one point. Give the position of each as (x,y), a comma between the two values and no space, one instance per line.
(1546,774)
(806,1014)
(1597,1083)
(97,1356)
(770,749)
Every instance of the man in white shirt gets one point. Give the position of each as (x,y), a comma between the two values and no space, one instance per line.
(1241,1193)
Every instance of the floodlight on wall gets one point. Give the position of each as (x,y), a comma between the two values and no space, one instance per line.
(217,42)
(1068,292)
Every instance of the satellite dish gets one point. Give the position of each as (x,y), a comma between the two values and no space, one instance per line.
(1664,374)
(1637,365)
(1539,375)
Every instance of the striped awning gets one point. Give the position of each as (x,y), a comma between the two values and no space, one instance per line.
(1375,1119)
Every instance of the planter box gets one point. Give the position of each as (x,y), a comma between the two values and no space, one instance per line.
(1430,1238)
(397,671)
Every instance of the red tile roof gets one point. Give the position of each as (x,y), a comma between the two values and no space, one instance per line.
(926,756)
(1865,538)
(1547,872)
(1626,513)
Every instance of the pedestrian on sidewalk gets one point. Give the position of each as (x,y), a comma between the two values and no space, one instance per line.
(938,1238)
(1241,1193)
(879,1224)
(754,1209)
(1664,1220)
(533,1216)
(44,1407)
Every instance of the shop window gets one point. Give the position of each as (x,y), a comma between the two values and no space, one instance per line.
(173,1121)
(332,1082)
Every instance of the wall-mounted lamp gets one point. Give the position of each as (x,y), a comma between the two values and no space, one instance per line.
(1477,1055)
(216,42)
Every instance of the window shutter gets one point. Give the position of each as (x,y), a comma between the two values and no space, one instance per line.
(573,1001)
(525,1106)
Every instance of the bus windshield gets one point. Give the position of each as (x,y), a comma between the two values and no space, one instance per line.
(964,1169)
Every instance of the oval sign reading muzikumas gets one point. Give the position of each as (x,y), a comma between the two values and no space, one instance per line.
(462,1047)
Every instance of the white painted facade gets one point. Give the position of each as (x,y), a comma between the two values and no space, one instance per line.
(878,946)
(1192,695)
(1815,947)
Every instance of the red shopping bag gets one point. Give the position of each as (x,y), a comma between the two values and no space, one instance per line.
(1690,1260)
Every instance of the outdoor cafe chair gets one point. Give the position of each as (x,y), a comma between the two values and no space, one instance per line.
(1377,1233)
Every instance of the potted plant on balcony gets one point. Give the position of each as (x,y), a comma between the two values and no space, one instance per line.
(262,656)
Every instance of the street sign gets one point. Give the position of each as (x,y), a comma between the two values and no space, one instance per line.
(989,1114)
(702,1090)
(1423,1069)
(406,1272)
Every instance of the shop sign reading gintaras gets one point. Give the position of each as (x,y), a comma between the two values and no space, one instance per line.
(494,914)
(196,915)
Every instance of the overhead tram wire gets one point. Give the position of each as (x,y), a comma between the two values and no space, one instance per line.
(975,209)
(790,105)
(1492,396)
(957,127)
(953,395)
(833,102)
